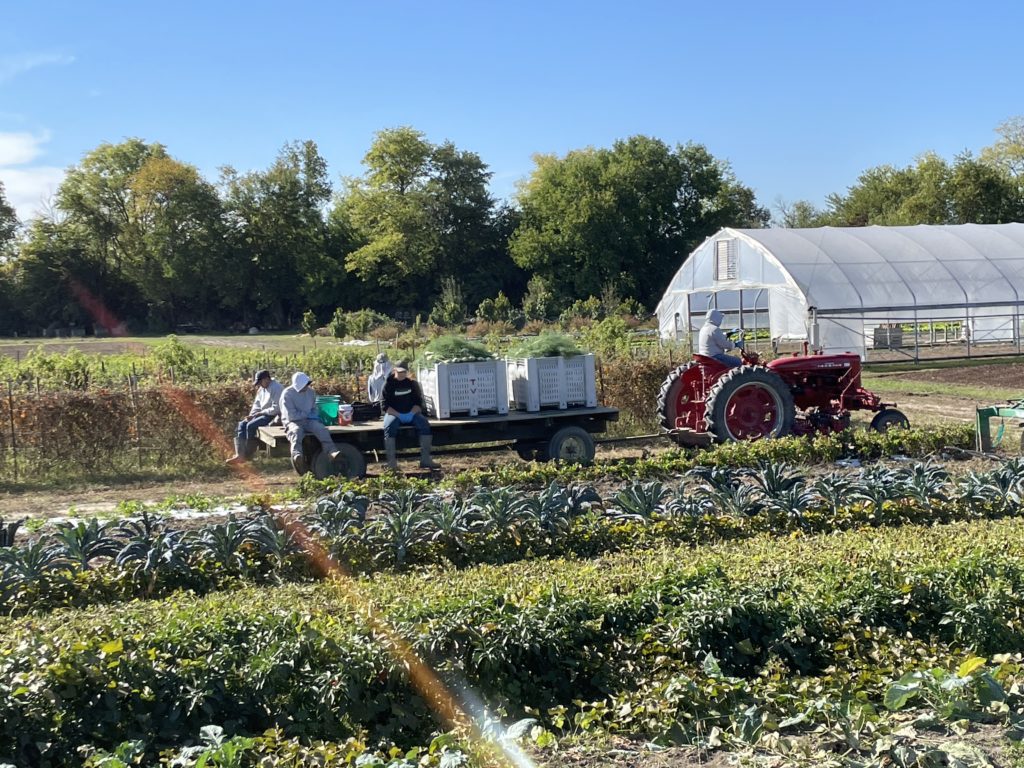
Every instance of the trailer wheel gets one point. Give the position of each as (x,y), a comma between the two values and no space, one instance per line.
(571,445)
(305,463)
(888,419)
(350,462)
(528,450)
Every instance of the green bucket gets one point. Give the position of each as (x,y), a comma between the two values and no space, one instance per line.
(327,408)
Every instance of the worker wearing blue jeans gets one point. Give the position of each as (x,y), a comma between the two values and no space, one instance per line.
(403,405)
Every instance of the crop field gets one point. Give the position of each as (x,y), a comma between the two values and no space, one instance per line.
(852,600)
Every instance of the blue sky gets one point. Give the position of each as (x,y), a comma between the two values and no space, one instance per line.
(799,97)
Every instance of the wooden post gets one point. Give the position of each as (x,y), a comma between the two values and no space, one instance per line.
(14,438)
(138,426)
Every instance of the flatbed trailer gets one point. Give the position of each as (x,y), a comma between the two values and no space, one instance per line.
(564,435)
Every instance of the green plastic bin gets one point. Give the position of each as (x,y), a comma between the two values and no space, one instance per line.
(327,408)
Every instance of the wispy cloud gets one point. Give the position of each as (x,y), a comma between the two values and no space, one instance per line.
(17,64)
(22,147)
(29,188)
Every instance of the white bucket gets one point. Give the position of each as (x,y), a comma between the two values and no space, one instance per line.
(344,414)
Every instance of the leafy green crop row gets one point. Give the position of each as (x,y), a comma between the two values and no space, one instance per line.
(94,562)
(806,451)
(671,644)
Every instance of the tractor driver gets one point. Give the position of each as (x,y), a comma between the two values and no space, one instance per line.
(713,341)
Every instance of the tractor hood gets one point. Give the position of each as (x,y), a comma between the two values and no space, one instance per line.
(816,363)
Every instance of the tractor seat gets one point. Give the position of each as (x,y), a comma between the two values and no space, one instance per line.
(709,365)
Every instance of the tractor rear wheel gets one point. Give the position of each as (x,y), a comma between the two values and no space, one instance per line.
(749,403)
(673,397)
(887,419)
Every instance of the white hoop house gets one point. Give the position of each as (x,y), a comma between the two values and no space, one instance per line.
(857,288)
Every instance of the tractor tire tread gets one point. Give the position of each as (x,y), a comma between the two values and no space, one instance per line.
(666,396)
(730,381)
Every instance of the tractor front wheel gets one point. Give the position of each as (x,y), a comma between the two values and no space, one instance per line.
(888,419)
(749,403)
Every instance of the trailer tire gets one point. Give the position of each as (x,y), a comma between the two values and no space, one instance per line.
(528,450)
(350,462)
(572,445)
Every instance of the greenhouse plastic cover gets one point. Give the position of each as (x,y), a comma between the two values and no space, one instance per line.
(864,272)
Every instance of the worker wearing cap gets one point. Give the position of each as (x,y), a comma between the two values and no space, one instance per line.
(300,418)
(265,409)
(714,343)
(403,404)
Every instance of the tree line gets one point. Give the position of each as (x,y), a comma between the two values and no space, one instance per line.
(138,238)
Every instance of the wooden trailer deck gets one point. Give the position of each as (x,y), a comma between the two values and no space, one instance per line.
(542,435)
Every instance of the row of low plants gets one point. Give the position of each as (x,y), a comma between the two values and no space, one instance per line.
(744,643)
(861,445)
(171,360)
(145,556)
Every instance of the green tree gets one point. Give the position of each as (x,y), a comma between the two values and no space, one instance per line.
(629,214)
(539,301)
(309,322)
(450,308)
(800,215)
(181,264)
(278,236)
(1007,154)
(420,212)
(61,279)
(338,324)
(983,194)
(8,226)
(133,211)
(497,310)
(929,192)
(97,196)
(389,209)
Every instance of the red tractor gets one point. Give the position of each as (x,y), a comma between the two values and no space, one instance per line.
(705,400)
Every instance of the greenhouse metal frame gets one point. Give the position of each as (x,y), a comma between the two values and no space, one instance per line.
(896,292)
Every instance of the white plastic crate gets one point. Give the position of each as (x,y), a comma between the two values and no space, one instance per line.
(464,388)
(535,383)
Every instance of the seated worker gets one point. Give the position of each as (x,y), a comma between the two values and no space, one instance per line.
(300,418)
(265,409)
(403,404)
(714,343)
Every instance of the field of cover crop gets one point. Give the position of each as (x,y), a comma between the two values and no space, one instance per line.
(754,603)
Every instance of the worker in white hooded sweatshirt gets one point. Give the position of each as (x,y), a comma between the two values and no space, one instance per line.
(714,343)
(300,418)
(376,381)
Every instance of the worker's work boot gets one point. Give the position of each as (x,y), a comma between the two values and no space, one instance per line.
(425,461)
(391,449)
(251,446)
(299,464)
(239,456)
